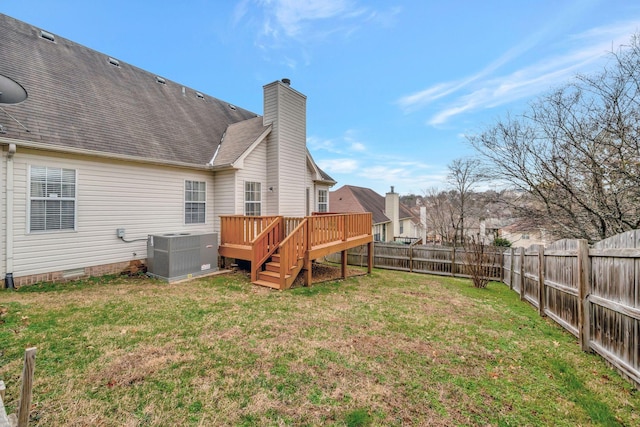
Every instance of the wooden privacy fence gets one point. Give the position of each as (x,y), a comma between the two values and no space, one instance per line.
(440,260)
(594,293)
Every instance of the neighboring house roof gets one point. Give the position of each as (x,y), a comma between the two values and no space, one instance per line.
(80,100)
(350,198)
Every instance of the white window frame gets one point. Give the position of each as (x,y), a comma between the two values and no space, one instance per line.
(50,196)
(189,201)
(252,200)
(323,205)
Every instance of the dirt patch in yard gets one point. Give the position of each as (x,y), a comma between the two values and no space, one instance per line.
(130,368)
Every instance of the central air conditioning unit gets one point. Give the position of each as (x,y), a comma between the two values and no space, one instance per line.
(179,256)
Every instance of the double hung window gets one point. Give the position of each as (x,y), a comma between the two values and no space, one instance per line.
(52,199)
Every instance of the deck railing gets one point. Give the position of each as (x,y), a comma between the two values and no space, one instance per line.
(293,249)
(242,230)
(330,228)
(265,244)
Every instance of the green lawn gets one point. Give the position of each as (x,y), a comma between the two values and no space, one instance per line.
(387,349)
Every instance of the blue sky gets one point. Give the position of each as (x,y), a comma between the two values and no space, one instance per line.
(392,86)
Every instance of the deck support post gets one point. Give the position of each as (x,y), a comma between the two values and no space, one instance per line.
(369,257)
(343,259)
(307,273)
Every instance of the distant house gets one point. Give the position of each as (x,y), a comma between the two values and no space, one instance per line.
(522,234)
(392,220)
(100,145)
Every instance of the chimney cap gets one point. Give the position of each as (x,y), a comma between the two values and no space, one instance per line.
(286,81)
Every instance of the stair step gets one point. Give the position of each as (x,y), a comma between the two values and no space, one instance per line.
(267,284)
(271,276)
(273,266)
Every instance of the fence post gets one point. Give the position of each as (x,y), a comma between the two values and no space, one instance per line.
(584,289)
(511,262)
(522,274)
(410,258)
(541,291)
(4,420)
(453,261)
(24,407)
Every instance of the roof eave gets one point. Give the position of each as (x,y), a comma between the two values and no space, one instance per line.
(101,154)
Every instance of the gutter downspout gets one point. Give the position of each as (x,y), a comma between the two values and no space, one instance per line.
(8,279)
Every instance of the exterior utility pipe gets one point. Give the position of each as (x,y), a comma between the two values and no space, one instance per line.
(8,279)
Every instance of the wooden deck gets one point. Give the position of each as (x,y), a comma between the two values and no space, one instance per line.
(280,247)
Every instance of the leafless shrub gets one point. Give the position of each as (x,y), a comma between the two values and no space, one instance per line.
(475,260)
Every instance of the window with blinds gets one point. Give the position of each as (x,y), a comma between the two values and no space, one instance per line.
(195,202)
(52,199)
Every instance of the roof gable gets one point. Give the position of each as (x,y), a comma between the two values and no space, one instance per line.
(239,139)
(79,99)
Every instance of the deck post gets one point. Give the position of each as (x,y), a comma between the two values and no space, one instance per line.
(307,259)
(369,257)
(345,232)
(343,259)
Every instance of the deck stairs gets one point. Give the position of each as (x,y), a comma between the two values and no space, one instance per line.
(270,242)
(272,276)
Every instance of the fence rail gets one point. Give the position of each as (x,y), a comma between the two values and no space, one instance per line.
(440,260)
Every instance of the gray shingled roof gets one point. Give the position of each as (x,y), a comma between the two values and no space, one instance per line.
(78,99)
(238,139)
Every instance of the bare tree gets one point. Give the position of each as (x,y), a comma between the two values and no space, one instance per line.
(575,153)
(440,212)
(464,176)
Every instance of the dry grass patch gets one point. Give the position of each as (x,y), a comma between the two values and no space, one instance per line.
(125,369)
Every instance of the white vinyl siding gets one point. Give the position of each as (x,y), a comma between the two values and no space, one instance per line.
(285,108)
(225,201)
(195,202)
(52,199)
(323,201)
(254,170)
(3,209)
(252,198)
(142,199)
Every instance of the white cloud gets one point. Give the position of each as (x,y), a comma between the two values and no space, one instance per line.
(319,144)
(345,144)
(483,90)
(281,22)
(358,146)
(292,14)
(338,165)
